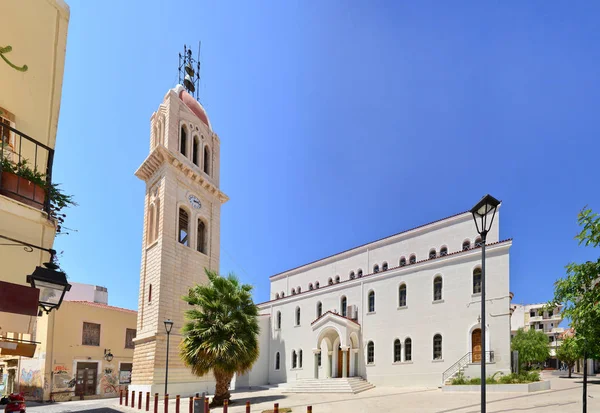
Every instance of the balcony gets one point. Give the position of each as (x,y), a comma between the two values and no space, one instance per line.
(25,169)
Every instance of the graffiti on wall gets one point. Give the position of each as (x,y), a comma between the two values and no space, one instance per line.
(62,379)
(31,384)
(109,382)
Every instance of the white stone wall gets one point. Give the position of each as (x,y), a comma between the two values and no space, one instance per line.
(450,232)
(454,317)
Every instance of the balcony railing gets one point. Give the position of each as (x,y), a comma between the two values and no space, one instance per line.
(25,168)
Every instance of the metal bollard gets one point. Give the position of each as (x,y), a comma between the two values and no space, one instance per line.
(120,397)
(308,409)
(247,407)
(206,406)
(191,409)
(133,399)
(225,405)
(147,401)
(166,403)
(155,402)
(276,408)
(177,401)
(126,397)
(140,400)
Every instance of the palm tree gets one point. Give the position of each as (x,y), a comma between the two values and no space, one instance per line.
(221,331)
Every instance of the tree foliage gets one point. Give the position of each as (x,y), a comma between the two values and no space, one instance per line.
(532,346)
(579,291)
(569,352)
(221,331)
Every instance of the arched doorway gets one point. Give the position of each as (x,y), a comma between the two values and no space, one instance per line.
(476,345)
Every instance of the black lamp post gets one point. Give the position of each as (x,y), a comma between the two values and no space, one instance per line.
(168,327)
(52,284)
(483,215)
(108,356)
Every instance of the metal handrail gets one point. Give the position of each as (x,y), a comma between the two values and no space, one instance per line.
(15,147)
(463,361)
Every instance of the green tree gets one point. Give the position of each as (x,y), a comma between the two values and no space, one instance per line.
(569,352)
(221,331)
(579,291)
(532,346)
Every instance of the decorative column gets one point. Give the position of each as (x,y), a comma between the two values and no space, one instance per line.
(345,361)
(328,374)
(317,352)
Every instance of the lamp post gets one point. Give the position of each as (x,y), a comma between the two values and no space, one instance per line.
(168,327)
(52,284)
(483,223)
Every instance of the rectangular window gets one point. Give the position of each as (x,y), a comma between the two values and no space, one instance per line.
(183,227)
(129,336)
(91,334)
(532,313)
(125,373)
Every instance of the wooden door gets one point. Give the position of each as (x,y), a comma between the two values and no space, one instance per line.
(87,374)
(476,345)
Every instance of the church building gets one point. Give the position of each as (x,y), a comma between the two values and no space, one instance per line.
(400,311)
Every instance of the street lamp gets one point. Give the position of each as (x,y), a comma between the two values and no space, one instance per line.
(483,223)
(168,327)
(52,285)
(108,356)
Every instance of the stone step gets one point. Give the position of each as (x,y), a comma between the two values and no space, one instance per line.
(337,385)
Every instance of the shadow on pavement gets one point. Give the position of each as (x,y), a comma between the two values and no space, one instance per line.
(239,401)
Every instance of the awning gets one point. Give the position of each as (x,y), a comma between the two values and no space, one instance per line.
(17,348)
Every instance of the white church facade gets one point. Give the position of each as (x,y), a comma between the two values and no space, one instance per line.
(400,311)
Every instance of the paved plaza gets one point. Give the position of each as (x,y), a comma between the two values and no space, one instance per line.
(564,397)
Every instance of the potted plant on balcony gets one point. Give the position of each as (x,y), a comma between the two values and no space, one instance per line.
(29,186)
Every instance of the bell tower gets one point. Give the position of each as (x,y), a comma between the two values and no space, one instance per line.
(181,237)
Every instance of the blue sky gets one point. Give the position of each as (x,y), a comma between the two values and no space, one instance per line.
(340,123)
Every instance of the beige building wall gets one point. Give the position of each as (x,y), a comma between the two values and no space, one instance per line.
(36,30)
(175,180)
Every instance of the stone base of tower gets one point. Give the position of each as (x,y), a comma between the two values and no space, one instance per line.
(181,382)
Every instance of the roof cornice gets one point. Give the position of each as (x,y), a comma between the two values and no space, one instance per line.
(161,155)
(493,248)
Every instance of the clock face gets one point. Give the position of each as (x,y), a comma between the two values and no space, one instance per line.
(195,202)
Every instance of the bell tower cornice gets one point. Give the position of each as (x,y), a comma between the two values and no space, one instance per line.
(160,155)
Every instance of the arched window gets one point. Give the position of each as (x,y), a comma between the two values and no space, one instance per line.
(183,141)
(201,237)
(277,296)
(371,301)
(277,358)
(317,285)
(297,316)
(466,245)
(402,262)
(206,160)
(310,287)
(412,259)
(370,353)
(407,349)
(384,266)
(278,325)
(337,279)
(402,296)
(319,359)
(432,254)
(375,268)
(157,217)
(397,351)
(352,275)
(294,359)
(293,291)
(150,293)
(478,242)
(437,288)
(282,294)
(477,281)
(437,347)
(300,358)
(330,281)
(195,151)
(299,290)
(319,309)
(443,251)
(343,306)
(151,221)
(184,231)
(359,273)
